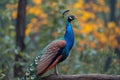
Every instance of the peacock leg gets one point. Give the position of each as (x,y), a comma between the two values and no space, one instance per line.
(56,69)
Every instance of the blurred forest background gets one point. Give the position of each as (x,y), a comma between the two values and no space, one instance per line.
(97,35)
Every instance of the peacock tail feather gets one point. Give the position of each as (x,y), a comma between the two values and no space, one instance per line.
(31,72)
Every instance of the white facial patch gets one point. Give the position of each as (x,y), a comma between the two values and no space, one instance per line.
(70,17)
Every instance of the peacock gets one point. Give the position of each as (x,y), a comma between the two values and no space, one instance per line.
(54,53)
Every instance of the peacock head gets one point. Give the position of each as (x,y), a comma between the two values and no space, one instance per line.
(71,18)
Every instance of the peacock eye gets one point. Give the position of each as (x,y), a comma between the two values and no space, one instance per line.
(70,17)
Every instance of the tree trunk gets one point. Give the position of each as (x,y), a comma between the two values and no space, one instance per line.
(82,77)
(117,50)
(20,24)
(112,10)
(20,34)
(112,18)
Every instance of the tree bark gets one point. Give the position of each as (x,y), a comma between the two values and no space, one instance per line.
(112,4)
(112,10)
(20,34)
(20,24)
(83,77)
(117,50)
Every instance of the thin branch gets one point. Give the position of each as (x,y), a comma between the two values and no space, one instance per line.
(83,77)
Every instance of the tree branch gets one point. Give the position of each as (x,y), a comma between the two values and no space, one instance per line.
(82,77)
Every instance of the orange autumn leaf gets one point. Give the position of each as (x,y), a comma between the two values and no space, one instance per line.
(114,43)
(111,37)
(37,1)
(14,14)
(102,38)
(11,6)
(31,10)
(77,5)
(33,20)
(102,2)
(106,9)
(111,25)
(117,30)
(28,29)
(54,4)
(92,44)
(87,15)
(37,12)
(87,29)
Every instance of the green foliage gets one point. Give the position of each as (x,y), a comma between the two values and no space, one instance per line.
(90,61)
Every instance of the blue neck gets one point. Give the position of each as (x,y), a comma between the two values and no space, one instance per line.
(69,36)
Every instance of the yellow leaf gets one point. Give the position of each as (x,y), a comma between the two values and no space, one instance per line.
(82,42)
(92,44)
(87,15)
(33,20)
(87,29)
(106,9)
(102,38)
(37,1)
(31,10)
(14,14)
(78,5)
(114,43)
(54,4)
(111,25)
(102,2)
(111,37)
(37,12)
(11,6)
(28,29)
(117,30)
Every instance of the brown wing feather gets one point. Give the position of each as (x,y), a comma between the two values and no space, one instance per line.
(52,65)
(50,52)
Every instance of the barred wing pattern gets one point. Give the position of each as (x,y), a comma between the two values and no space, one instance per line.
(48,55)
